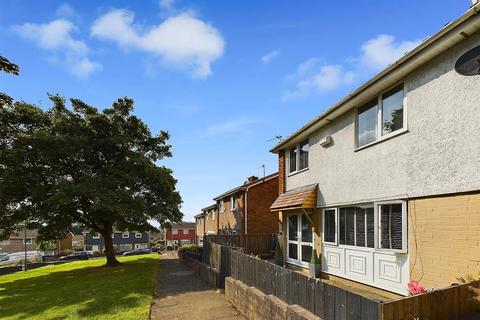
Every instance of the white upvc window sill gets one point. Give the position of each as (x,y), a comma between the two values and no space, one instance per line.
(383,138)
(298,171)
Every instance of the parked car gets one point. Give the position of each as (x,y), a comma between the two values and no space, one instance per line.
(75,256)
(137,252)
(4,257)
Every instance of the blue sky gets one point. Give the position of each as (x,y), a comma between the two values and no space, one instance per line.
(224,77)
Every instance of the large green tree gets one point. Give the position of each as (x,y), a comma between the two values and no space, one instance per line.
(8,67)
(68,166)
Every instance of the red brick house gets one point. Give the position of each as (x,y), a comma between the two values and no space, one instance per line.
(244,209)
(180,233)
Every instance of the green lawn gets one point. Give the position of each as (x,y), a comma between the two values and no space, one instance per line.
(81,290)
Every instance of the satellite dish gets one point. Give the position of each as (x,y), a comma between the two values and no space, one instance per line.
(469,63)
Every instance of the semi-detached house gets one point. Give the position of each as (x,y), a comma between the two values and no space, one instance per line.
(385,184)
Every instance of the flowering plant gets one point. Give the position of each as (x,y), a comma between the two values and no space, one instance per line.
(415,288)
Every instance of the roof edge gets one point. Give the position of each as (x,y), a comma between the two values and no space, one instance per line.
(471,12)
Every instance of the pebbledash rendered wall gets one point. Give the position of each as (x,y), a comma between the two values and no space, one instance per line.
(439,154)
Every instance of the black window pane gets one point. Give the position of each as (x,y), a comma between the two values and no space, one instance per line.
(329,226)
(367,123)
(360,227)
(396,226)
(306,253)
(293,159)
(292,251)
(292,227)
(350,226)
(370,228)
(303,155)
(391,226)
(342,226)
(392,110)
(385,227)
(306,229)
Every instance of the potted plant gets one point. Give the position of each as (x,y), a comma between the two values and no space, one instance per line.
(278,254)
(314,265)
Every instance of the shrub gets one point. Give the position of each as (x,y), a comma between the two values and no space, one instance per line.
(190,247)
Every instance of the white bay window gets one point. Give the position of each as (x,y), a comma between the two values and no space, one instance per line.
(382,225)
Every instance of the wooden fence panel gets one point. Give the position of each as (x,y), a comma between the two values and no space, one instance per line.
(340,304)
(326,301)
(449,303)
(310,295)
(320,299)
(329,302)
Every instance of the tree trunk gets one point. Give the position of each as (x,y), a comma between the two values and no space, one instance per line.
(109,252)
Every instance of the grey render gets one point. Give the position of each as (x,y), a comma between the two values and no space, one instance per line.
(438,154)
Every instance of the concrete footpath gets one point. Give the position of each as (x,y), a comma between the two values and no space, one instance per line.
(181,294)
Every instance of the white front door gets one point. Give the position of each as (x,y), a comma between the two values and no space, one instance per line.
(367,244)
(299,239)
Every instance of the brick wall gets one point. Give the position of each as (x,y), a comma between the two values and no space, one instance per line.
(254,304)
(281,172)
(200,225)
(260,219)
(444,238)
(229,220)
(211,226)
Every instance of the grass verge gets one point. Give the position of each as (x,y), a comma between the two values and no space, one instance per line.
(81,290)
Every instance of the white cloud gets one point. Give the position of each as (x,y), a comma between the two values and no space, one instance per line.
(56,36)
(167,4)
(182,40)
(269,56)
(379,52)
(229,126)
(314,78)
(375,54)
(66,11)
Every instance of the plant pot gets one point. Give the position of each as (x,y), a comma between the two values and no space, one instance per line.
(314,270)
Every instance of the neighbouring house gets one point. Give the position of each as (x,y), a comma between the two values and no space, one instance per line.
(242,210)
(16,242)
(122,241)
(78,240)
(179,233)
(385,184)
(207,221)
(66,244)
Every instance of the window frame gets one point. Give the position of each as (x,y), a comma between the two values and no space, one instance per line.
(96,236)
(221,206)
(378,235)
(377,231)
(27,241)
(174,231)
(233,203)
(125,235)
(336,226)
(138,235)
(379,136)
(297,157)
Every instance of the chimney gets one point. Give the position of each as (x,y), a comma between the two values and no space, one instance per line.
(251,179)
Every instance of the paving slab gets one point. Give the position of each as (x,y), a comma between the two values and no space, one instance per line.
(181,294)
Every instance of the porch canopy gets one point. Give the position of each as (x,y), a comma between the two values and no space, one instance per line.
(299,198)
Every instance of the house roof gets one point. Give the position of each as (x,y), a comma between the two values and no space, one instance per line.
(200,215)
(303,197)
(213,206)
(183,225)
(447,37)
(245,186)
(31,233)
